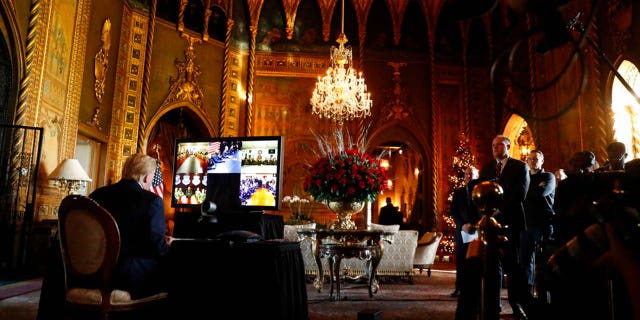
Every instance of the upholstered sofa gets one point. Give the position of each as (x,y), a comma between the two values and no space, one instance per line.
(397,260)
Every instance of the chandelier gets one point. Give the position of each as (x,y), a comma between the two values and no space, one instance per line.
(341,95)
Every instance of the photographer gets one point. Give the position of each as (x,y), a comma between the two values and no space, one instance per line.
(583,284)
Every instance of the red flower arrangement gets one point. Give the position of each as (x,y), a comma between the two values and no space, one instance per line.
(348,175)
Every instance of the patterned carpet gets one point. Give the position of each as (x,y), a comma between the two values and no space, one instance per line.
(19,288)
(426,299)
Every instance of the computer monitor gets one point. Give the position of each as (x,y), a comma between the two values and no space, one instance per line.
(235,173)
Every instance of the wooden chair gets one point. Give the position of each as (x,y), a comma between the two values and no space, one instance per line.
(426,251)
(90,245)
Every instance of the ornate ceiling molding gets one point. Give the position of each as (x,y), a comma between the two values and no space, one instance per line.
(255,6)
(431,10)
(397,9)
(290,10)
(362,13)
(326,10)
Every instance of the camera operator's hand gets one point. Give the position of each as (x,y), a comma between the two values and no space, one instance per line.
(621,258)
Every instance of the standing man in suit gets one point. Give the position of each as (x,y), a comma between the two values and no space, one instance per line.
(139,214)
(389,214)
(466,215)
(513,175)
(539,212)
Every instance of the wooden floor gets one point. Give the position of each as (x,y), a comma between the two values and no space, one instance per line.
(426,299)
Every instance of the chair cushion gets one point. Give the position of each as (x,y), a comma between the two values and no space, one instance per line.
(427,238)
(118,297)
(387,228)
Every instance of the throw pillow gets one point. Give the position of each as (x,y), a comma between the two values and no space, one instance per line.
(387,228)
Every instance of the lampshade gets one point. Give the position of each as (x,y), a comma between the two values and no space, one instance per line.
(71,170)
(69,176)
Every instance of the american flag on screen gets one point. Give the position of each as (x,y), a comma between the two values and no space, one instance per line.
(214,147)
(156,185)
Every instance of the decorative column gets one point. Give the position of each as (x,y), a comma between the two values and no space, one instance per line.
(255,6)
(142,123)
(224,102)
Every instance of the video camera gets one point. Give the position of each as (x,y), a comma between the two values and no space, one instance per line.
(616,200)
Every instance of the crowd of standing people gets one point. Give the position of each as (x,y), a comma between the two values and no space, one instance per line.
(555,231)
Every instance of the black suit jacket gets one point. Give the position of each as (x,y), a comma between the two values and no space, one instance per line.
(389,215)
(463,209)
(140,217)
(515,184)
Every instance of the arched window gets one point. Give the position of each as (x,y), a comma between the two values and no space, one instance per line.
(626,110)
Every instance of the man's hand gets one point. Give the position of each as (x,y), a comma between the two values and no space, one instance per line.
(468,228)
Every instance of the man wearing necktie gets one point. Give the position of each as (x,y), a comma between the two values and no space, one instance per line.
(513,175)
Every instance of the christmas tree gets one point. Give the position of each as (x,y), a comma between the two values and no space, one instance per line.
(462,159)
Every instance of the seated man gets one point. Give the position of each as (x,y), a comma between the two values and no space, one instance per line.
(211,164)
(217,158)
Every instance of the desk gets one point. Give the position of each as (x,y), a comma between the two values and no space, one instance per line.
(258,280)
(209,278)
(336,244)
(188,224)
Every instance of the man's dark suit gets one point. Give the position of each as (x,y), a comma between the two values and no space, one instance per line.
(463,211)
(514,180)
(515,184)
(140,217)
(389,215)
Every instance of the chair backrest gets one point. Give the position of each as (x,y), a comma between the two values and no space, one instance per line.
(426,251)
(89,242)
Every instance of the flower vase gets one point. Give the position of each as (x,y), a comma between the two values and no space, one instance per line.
(344,210)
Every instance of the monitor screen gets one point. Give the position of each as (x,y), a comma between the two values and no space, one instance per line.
(235,173)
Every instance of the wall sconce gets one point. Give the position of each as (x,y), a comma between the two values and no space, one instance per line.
(384,163)
(525,142)
(70,176)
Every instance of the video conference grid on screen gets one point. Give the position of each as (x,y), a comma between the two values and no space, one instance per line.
(234,173)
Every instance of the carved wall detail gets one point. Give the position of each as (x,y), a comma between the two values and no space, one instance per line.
(101,60)
(397,105)
(185,86)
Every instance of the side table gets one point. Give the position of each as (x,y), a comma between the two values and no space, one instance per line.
(337,244)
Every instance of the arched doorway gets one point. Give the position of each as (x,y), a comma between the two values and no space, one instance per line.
(179,122)
(400,149)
